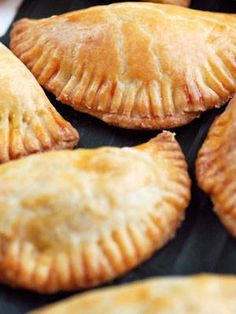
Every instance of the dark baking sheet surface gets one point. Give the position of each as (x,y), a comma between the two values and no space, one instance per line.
(201,244)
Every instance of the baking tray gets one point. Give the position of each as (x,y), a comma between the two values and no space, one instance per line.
(201,244)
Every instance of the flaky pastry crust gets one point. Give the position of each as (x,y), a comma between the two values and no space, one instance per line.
(202,294)
(216,168)
(84,217)
(133,65)
(184,3)
(28,122)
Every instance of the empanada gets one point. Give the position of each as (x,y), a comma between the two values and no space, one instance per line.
(216,167)
(84,217)
(133,65)
(184,3)
(28,121)
(202,294)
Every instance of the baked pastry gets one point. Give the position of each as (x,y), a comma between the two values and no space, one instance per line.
(202,294)
(133,65)
(184,3)
(84,217)
(28,122)
(216,168)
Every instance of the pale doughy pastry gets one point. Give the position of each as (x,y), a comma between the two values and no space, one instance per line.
(133,65)
(84,217)
(202,294)
(184,3)
(28,122)
(216,167)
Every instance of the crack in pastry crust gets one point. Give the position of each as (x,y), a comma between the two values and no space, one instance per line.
(215,166)
(28,122)
(199,294)
(134,65)
(85,217)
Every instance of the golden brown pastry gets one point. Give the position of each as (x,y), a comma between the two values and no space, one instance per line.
(134,65)
(28,122)
(84,217)
(216,167)
(202,294)
(184,3)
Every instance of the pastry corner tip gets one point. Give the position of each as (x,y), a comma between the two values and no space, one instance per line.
(164,136)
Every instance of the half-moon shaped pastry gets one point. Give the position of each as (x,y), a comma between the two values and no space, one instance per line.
(28,122)
(216,167)
(184,3)
(202,294)
(84,217)
(133,65)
